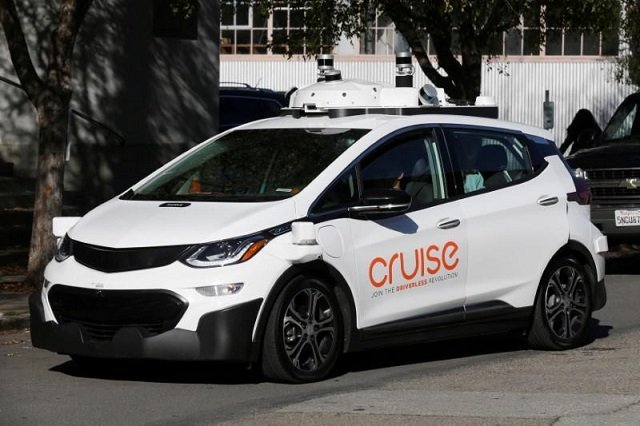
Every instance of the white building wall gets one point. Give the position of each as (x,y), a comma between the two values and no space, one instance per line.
(518,87)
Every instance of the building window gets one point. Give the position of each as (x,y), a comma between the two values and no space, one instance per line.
(246,29)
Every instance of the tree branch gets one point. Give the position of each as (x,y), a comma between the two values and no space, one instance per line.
(501,18)
(72,13)
(402,18)
(19,50)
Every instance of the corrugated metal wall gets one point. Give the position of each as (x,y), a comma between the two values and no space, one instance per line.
(518,87)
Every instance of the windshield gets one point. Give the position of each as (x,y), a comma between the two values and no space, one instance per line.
(624,124)
(250,166)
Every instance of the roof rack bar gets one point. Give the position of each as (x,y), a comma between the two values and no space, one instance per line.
(473,111)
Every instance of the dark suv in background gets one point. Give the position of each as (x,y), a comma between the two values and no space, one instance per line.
(613,170)
(241,103)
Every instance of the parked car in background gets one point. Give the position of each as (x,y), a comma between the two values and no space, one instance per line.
(612,167)
(241,103)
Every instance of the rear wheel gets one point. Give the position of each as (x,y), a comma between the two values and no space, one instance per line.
(304,333)
(563,306)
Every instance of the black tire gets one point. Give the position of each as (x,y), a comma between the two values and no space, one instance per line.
(563,306)
(304,333)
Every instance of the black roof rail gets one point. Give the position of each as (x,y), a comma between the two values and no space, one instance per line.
(472,111)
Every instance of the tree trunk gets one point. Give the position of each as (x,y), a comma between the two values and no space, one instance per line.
(52,109)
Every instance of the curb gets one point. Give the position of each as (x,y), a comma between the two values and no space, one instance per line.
(14,323)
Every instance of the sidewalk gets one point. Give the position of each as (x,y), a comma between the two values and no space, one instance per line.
(14,307)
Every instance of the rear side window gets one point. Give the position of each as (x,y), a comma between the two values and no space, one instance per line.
(541,148)
(487,159)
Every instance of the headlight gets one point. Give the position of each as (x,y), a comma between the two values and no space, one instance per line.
(65,249)
(226,252)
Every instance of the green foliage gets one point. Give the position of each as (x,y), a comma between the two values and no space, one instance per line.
(461,31)
(629,61)
(183,8)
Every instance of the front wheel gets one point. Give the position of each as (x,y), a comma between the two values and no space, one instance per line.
(563,306)
(304,333)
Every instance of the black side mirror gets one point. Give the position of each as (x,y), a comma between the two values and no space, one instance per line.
(382,202)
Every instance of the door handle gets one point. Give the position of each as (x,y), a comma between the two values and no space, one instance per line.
(448,223)
(548,201)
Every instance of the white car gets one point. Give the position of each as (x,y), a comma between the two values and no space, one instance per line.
(357,219)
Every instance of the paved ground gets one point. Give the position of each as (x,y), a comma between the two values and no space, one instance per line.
(14,310)
(500,384)
(595,385)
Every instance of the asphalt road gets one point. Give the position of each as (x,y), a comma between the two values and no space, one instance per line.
(468,382)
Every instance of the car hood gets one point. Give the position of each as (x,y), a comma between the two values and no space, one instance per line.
(624,154)
(134,223)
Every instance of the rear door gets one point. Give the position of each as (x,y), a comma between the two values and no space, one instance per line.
(516,216)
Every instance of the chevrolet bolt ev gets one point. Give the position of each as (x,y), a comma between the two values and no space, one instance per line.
(357,219)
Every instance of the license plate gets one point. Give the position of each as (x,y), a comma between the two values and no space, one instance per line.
(627,217)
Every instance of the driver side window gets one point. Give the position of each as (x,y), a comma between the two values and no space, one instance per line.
(410,163)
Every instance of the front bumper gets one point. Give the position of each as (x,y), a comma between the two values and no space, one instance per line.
(224,335)
(604,219)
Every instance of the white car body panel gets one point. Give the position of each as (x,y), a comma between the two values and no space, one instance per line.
(511,237)
(396,268)
(126,224)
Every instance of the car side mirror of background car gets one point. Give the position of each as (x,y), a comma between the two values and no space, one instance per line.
(382,202)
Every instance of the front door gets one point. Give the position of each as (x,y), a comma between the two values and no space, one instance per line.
(414,264)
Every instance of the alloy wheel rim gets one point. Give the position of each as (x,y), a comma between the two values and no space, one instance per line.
(566,302)
(309,330)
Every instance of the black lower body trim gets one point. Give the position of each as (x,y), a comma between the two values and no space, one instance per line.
(599,296)
(484,319)
(224,335)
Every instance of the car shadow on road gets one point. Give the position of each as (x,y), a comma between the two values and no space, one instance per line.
(432,352)
(623,259)
(449,350)
(162,371)
(235,374)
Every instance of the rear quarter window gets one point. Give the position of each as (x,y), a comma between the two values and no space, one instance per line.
(539,148)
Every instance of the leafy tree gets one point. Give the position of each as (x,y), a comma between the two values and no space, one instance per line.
(629,61)
(460,31)
(49,88)
(50,93)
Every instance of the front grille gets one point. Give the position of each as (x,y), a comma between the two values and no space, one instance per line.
(614,192)
(103,312)
(615,187)
(107,259)
(601,174)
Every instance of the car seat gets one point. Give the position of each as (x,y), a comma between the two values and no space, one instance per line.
(492,164)
(419,184)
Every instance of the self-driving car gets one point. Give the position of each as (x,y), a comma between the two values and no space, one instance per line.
(365,215)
